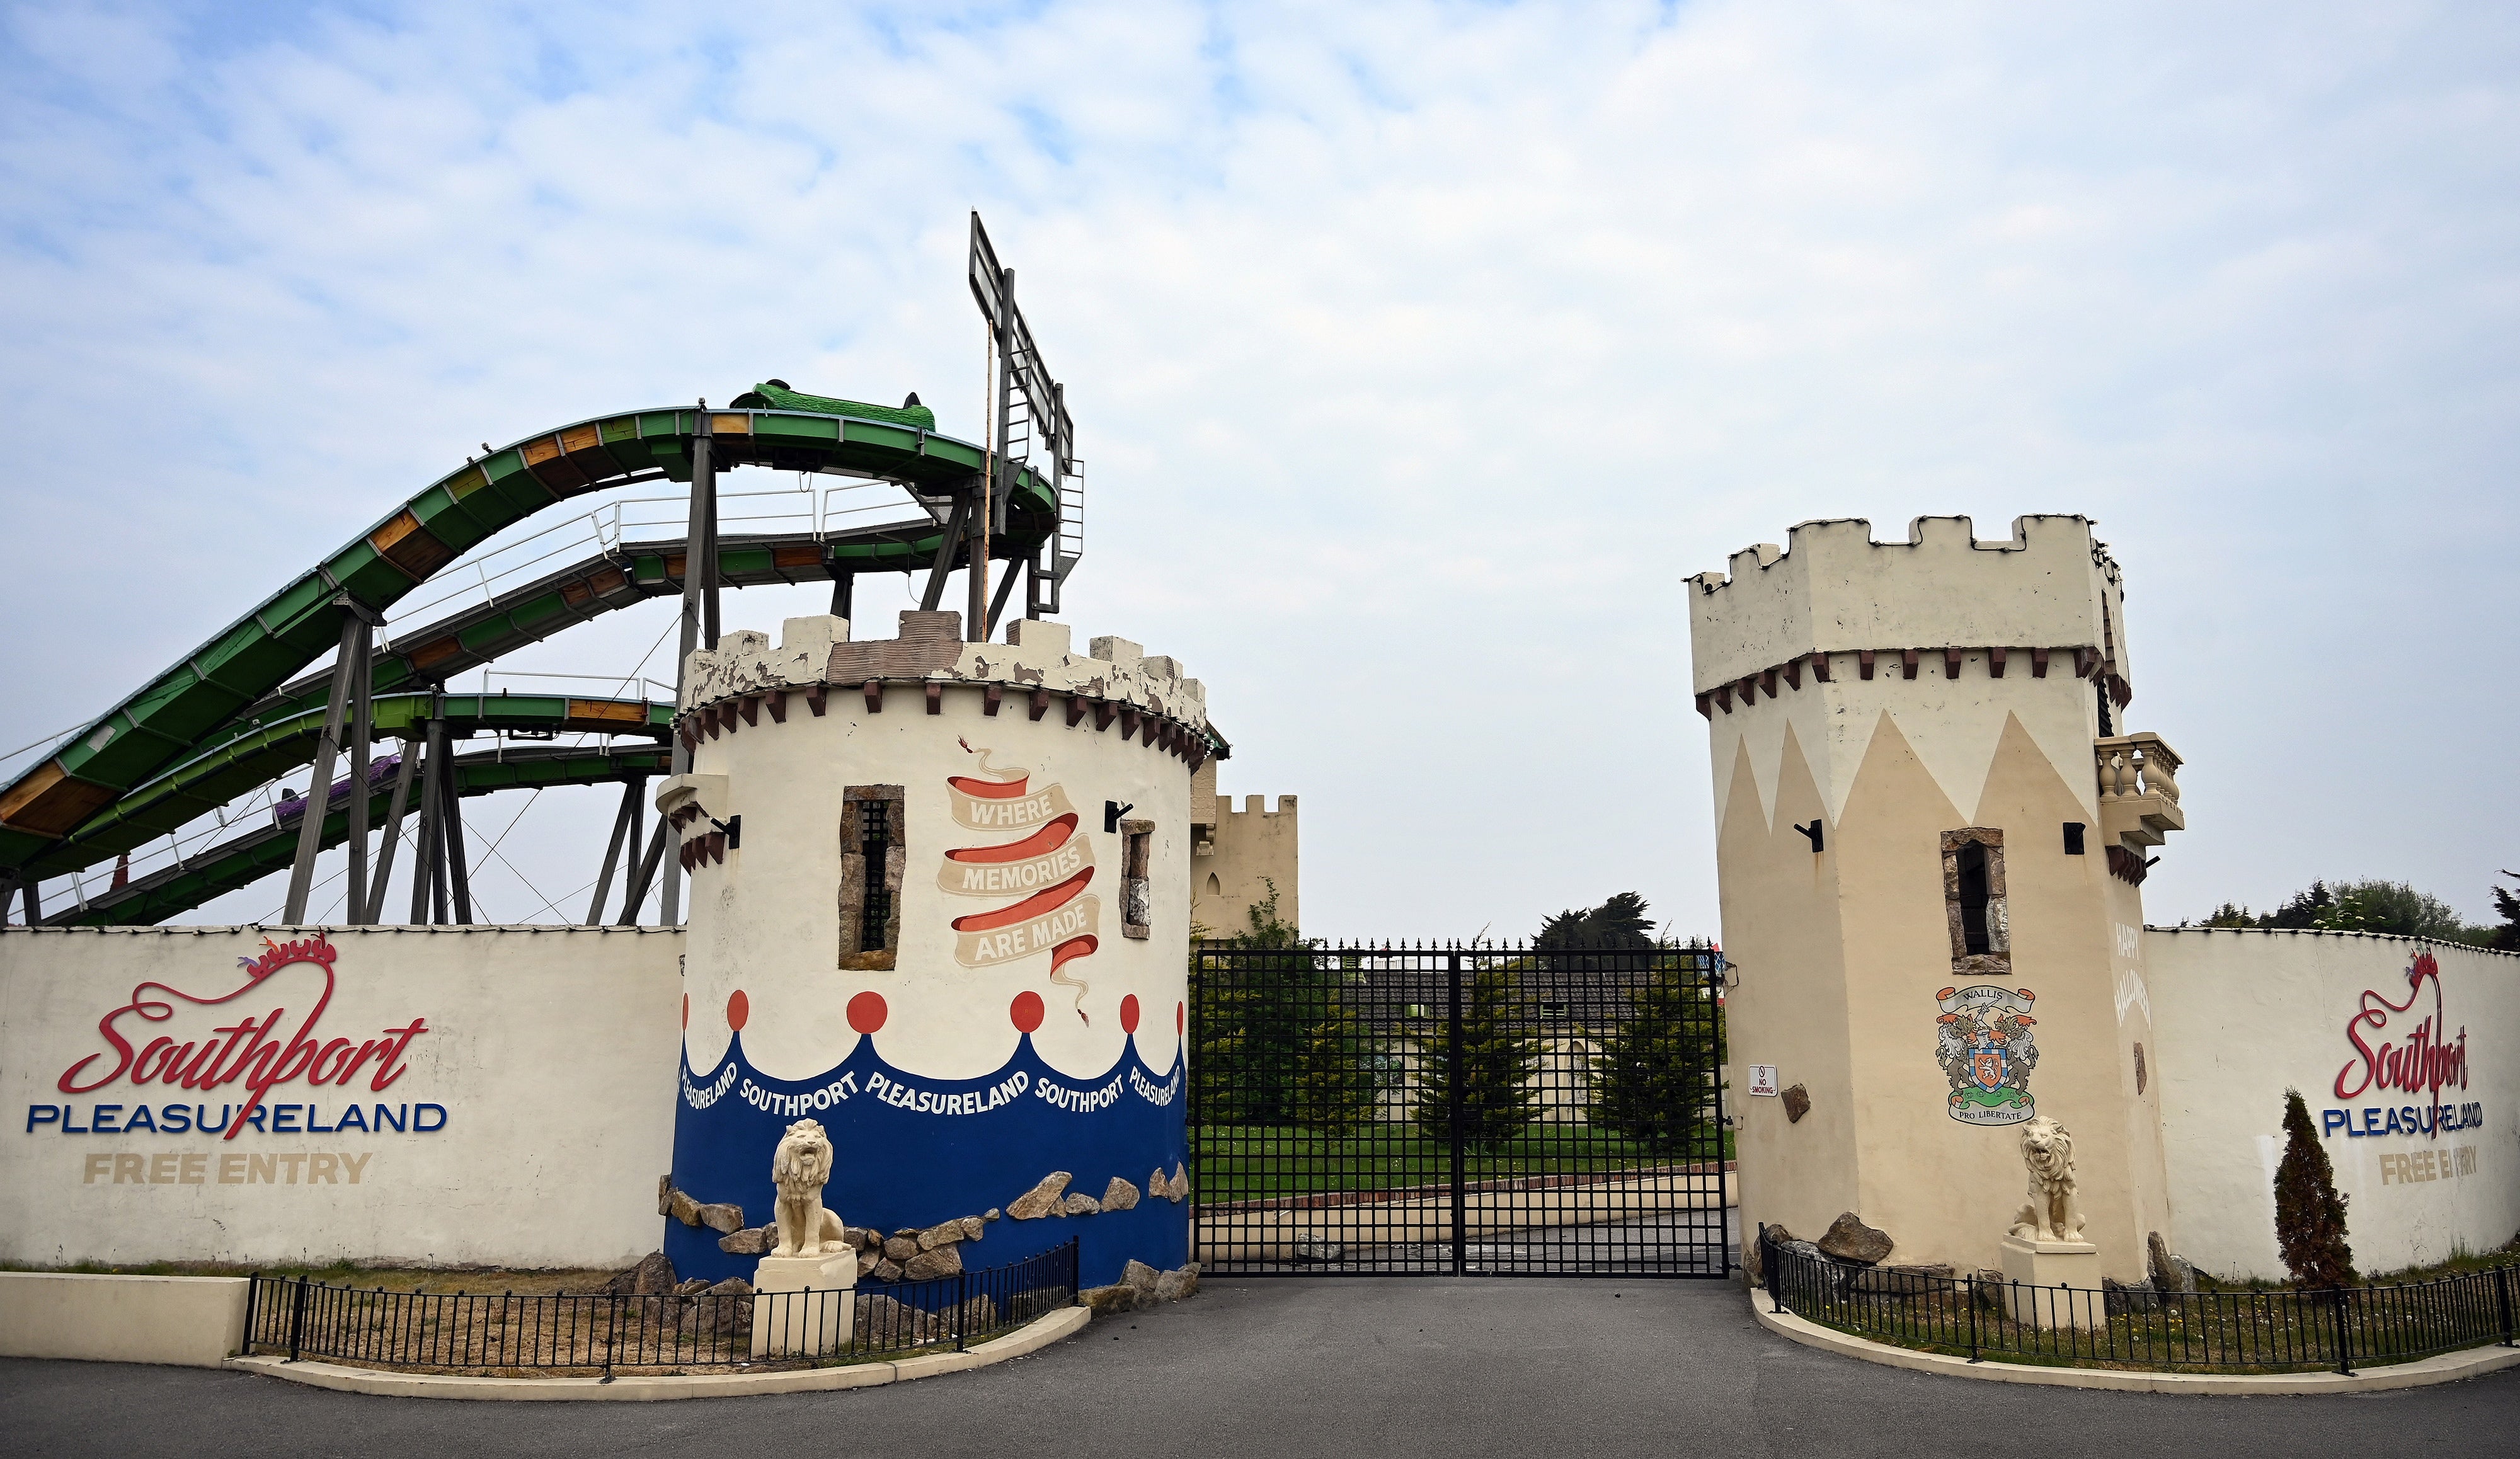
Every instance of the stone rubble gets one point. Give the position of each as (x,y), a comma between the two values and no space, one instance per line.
(653,1276)
(1041,1200)
(1119,1195)
(2173,1275)
(940,1261)
(1078,1204)
(1850,1239)
(1140,1286)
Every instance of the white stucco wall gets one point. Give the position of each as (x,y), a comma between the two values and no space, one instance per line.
(2242,1015)
(765,921)
(550,1050)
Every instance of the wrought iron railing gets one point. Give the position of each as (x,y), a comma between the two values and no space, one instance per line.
(298,1317)
(2138,1327)
(1458,1109)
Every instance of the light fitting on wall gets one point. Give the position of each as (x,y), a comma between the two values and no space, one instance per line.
(1112,811)
(1812,830)
(2073,838)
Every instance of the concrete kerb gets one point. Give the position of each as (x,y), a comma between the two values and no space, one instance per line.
(1033,1336)
(2448,1367)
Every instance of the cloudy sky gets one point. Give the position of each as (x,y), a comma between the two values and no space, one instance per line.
(1418,352)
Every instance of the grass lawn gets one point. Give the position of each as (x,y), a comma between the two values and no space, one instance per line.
(1251,1162)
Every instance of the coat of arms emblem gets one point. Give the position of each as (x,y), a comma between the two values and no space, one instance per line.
(1986,1049)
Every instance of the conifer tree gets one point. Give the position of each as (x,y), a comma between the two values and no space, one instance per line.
(2310,1213)
(1499,1096)
(1250,1021)
(1333,1077)
(1650,1079)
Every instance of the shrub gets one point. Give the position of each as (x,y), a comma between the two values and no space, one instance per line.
(2310,1213)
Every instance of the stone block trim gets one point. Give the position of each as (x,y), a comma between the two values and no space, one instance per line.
(727,689)
(2086,661)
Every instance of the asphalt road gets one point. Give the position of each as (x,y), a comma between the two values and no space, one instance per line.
(1370,1366)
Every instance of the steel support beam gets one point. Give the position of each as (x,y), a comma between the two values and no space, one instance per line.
(997,605)
(934,594)
(647,864)
(428,874)
(376,892)
(319,789)
(844,592)
(362,725)
(612,853)
(458,878)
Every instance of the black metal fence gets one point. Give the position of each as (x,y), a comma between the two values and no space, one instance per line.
(1457,1110)
(491,1332)
(2280,1331)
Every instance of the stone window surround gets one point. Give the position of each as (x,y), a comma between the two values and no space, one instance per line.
(1135,891)
(854,803)
(1996,960)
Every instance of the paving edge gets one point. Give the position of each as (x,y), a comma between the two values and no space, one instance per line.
(1033,1336)
(2448,1367)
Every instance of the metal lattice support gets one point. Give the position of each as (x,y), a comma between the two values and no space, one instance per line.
(1458,1109)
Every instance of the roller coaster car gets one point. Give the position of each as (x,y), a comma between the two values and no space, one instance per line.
(776,395)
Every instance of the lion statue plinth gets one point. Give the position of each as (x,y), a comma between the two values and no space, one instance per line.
(799,1169)
(2053,1214)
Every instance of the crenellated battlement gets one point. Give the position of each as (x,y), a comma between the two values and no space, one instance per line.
(818,651)
(1833,588)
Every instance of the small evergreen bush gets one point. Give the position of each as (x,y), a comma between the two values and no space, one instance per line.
(2310,1215)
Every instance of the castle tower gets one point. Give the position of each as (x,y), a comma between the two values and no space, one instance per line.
(1932,841)
(939,904)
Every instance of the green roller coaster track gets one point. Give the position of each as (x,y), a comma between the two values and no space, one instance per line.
(226,718)
(249,857)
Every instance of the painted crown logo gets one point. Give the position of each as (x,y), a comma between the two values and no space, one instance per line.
(305,950)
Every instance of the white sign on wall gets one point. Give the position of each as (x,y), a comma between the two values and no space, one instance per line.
(1763,1080)
(435,1096)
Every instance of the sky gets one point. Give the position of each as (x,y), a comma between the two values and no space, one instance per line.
(1417,353)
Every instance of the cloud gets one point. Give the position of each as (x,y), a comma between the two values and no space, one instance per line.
(1418,352)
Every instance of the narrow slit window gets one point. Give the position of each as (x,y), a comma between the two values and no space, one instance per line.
(872,858)
(1136,913)
(1974,900)
(874,918)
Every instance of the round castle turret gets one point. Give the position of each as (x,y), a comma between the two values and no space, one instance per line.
(1931,837)
(939,903)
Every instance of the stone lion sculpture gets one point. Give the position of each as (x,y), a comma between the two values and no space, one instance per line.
(2048,1150)
(800,1168)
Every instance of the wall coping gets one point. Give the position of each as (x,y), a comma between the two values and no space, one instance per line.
(2378,937)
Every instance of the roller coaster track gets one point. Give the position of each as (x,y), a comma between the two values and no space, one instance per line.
(248,858)
(616,578)
(169,747)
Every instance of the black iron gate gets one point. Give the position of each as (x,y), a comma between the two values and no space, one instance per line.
(1458,1109)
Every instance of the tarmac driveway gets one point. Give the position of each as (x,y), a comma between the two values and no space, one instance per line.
(1331,1367)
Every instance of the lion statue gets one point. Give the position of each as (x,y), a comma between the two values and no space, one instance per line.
(2048,1149)
(800,1168)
